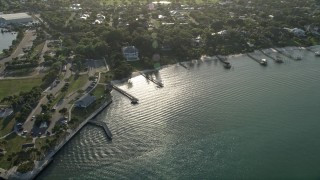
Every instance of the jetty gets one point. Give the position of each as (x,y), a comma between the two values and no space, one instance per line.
(262,62)
(183,65)
(287,55)
(224,61)
(277,59)
(132,98)
(103,125)
(160,84)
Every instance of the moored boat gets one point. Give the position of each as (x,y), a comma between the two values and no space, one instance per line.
(263,62)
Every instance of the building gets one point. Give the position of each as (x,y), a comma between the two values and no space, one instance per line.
(17,18)
(130,53)
(85,101)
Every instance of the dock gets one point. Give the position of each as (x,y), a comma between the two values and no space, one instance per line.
(316,53)
(103,125)
(183,65)
(277,60)
(160,84)
(224,61)
(287,55)
(132,98)
(260,61)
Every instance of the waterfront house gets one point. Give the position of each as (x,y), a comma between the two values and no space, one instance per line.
(131,53)
(85,101)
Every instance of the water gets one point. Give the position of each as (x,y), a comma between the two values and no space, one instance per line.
(6,40)
(250,122)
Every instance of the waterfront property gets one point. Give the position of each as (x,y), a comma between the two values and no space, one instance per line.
(131,53)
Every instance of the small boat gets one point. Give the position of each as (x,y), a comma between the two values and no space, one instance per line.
(263,62)
(317,53)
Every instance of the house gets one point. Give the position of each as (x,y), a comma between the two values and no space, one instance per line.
(298,32)
(131,53)
(85,101)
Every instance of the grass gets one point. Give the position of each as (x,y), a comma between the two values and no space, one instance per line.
(11,144)
(37,50)
(14,86)
(6,126)
(77,83)
(99,91)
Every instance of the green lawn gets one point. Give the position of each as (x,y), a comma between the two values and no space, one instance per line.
(77,83)
(14,86)
(11,144)
(99,91)
(6,126)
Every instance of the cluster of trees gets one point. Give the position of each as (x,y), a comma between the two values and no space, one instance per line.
(23,103)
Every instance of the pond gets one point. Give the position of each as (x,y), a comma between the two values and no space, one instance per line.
(6,39)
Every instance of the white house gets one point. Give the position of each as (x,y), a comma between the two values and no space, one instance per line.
(131,53)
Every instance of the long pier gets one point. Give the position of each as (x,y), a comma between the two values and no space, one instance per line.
(183,65)
(160,84)
(103,125)
(257,60)
(277,60)
(132,98)
(285,54)
(224,61)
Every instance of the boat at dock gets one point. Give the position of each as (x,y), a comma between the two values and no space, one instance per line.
(317,53)
(264,62)
(278,59)
(226,65)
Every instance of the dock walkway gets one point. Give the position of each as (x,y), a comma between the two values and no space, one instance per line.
(285,54)
(183,65)
(224,61)
(160,84)
(277,60)
(256,59)
(132,98)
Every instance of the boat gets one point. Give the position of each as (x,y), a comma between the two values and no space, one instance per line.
(278,59)
(317,53)
(263,62)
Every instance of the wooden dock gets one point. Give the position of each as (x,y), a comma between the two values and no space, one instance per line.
(277,60)
(224,61)
(103,125)
(257,60)
(160,84)
(183,65)
(285,54)
(132,98)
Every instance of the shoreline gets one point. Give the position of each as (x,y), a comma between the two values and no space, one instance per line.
(41,165)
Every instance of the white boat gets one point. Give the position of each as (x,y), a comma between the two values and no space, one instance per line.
(317,53)
(263,62)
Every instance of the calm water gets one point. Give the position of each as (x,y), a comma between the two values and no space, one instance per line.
(250,122)
(6,40)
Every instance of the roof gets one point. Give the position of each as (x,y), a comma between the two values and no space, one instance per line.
(15,16)
(85,101)
(130,49)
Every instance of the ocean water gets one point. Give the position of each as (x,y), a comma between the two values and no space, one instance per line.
(249,122)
